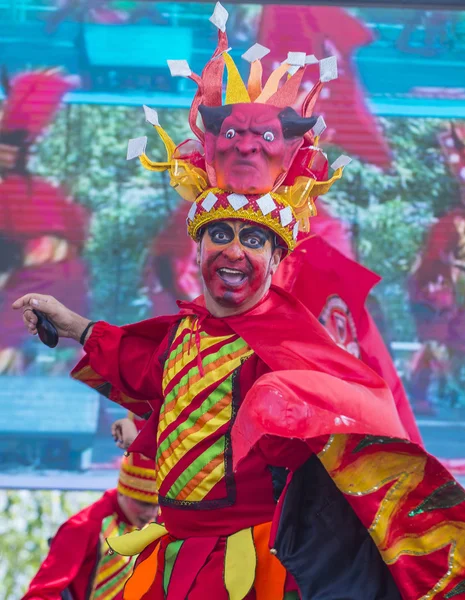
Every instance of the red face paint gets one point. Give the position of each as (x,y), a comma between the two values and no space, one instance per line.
(250,152)
(235,262)
(138,513)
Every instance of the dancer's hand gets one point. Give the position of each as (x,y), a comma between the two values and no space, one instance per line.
(8,156)
(68,323)
(124,432)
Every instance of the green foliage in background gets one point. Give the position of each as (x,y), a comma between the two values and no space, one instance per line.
(29,520)
(86,151)
(390,213)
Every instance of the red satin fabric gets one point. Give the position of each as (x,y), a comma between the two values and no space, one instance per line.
(73,553)
(314,272)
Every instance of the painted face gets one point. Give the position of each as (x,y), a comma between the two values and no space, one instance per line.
(237,261)
(138,513)
(249,146)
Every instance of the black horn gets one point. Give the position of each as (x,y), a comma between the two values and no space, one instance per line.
(295,126)
(213,117)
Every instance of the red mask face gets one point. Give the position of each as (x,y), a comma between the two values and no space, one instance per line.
(237,261)
(247,149)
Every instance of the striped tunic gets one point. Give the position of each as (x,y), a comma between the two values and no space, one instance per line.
(193,440)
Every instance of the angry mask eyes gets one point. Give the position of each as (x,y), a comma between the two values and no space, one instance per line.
(268,136)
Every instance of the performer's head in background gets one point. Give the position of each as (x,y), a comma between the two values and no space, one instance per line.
(453,148)
(137,494)
(31,101)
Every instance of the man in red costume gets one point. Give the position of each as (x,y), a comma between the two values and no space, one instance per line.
(78,565)
(245,385)
(437,283)
(42,231)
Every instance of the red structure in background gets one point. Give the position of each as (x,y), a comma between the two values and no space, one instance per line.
(42,232)
(437,290)
(328,31)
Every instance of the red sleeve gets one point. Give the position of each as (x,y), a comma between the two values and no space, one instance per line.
(442,238)
(376,355)
(128,362)
(64,560)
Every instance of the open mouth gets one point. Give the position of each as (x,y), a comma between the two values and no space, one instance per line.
(232,277)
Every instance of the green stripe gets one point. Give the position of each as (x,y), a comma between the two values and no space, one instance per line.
(178,343)
(171,553)
(213,398)
(212,357)
(118,576)
(195,467)
(106,521)
(178,346)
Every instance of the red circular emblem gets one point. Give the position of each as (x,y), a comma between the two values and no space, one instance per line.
(339,323)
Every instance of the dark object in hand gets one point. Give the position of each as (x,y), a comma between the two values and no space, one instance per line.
(46,330)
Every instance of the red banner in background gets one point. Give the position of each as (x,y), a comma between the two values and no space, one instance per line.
(327,31)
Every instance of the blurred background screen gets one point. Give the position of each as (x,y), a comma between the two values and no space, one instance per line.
(108,238)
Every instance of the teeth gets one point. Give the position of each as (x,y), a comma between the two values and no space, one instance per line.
(232,271)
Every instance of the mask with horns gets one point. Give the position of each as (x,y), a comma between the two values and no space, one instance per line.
(255,158)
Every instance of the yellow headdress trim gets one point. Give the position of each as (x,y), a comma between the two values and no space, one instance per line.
(236,92)
(246,214)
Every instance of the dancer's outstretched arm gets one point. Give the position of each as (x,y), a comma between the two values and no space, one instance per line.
(128,362)
(68,323)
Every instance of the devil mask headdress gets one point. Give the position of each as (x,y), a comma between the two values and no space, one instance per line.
(255,158)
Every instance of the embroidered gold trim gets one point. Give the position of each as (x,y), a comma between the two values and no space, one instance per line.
(246,214)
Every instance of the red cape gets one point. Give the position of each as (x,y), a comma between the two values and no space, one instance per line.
(319,275)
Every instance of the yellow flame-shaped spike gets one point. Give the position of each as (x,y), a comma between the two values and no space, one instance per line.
(169,144)
(133,543)
(240,563)
(254,85)
(236,92)
(272,84)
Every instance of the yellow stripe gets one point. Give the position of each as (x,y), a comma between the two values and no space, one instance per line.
(200,476)
(184,357)
(112,527)
(195,426)
(113,567)
(138,471)
(119,587)
(206,485)
(210,378)
(143,485)
(191,442)
(193,376)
